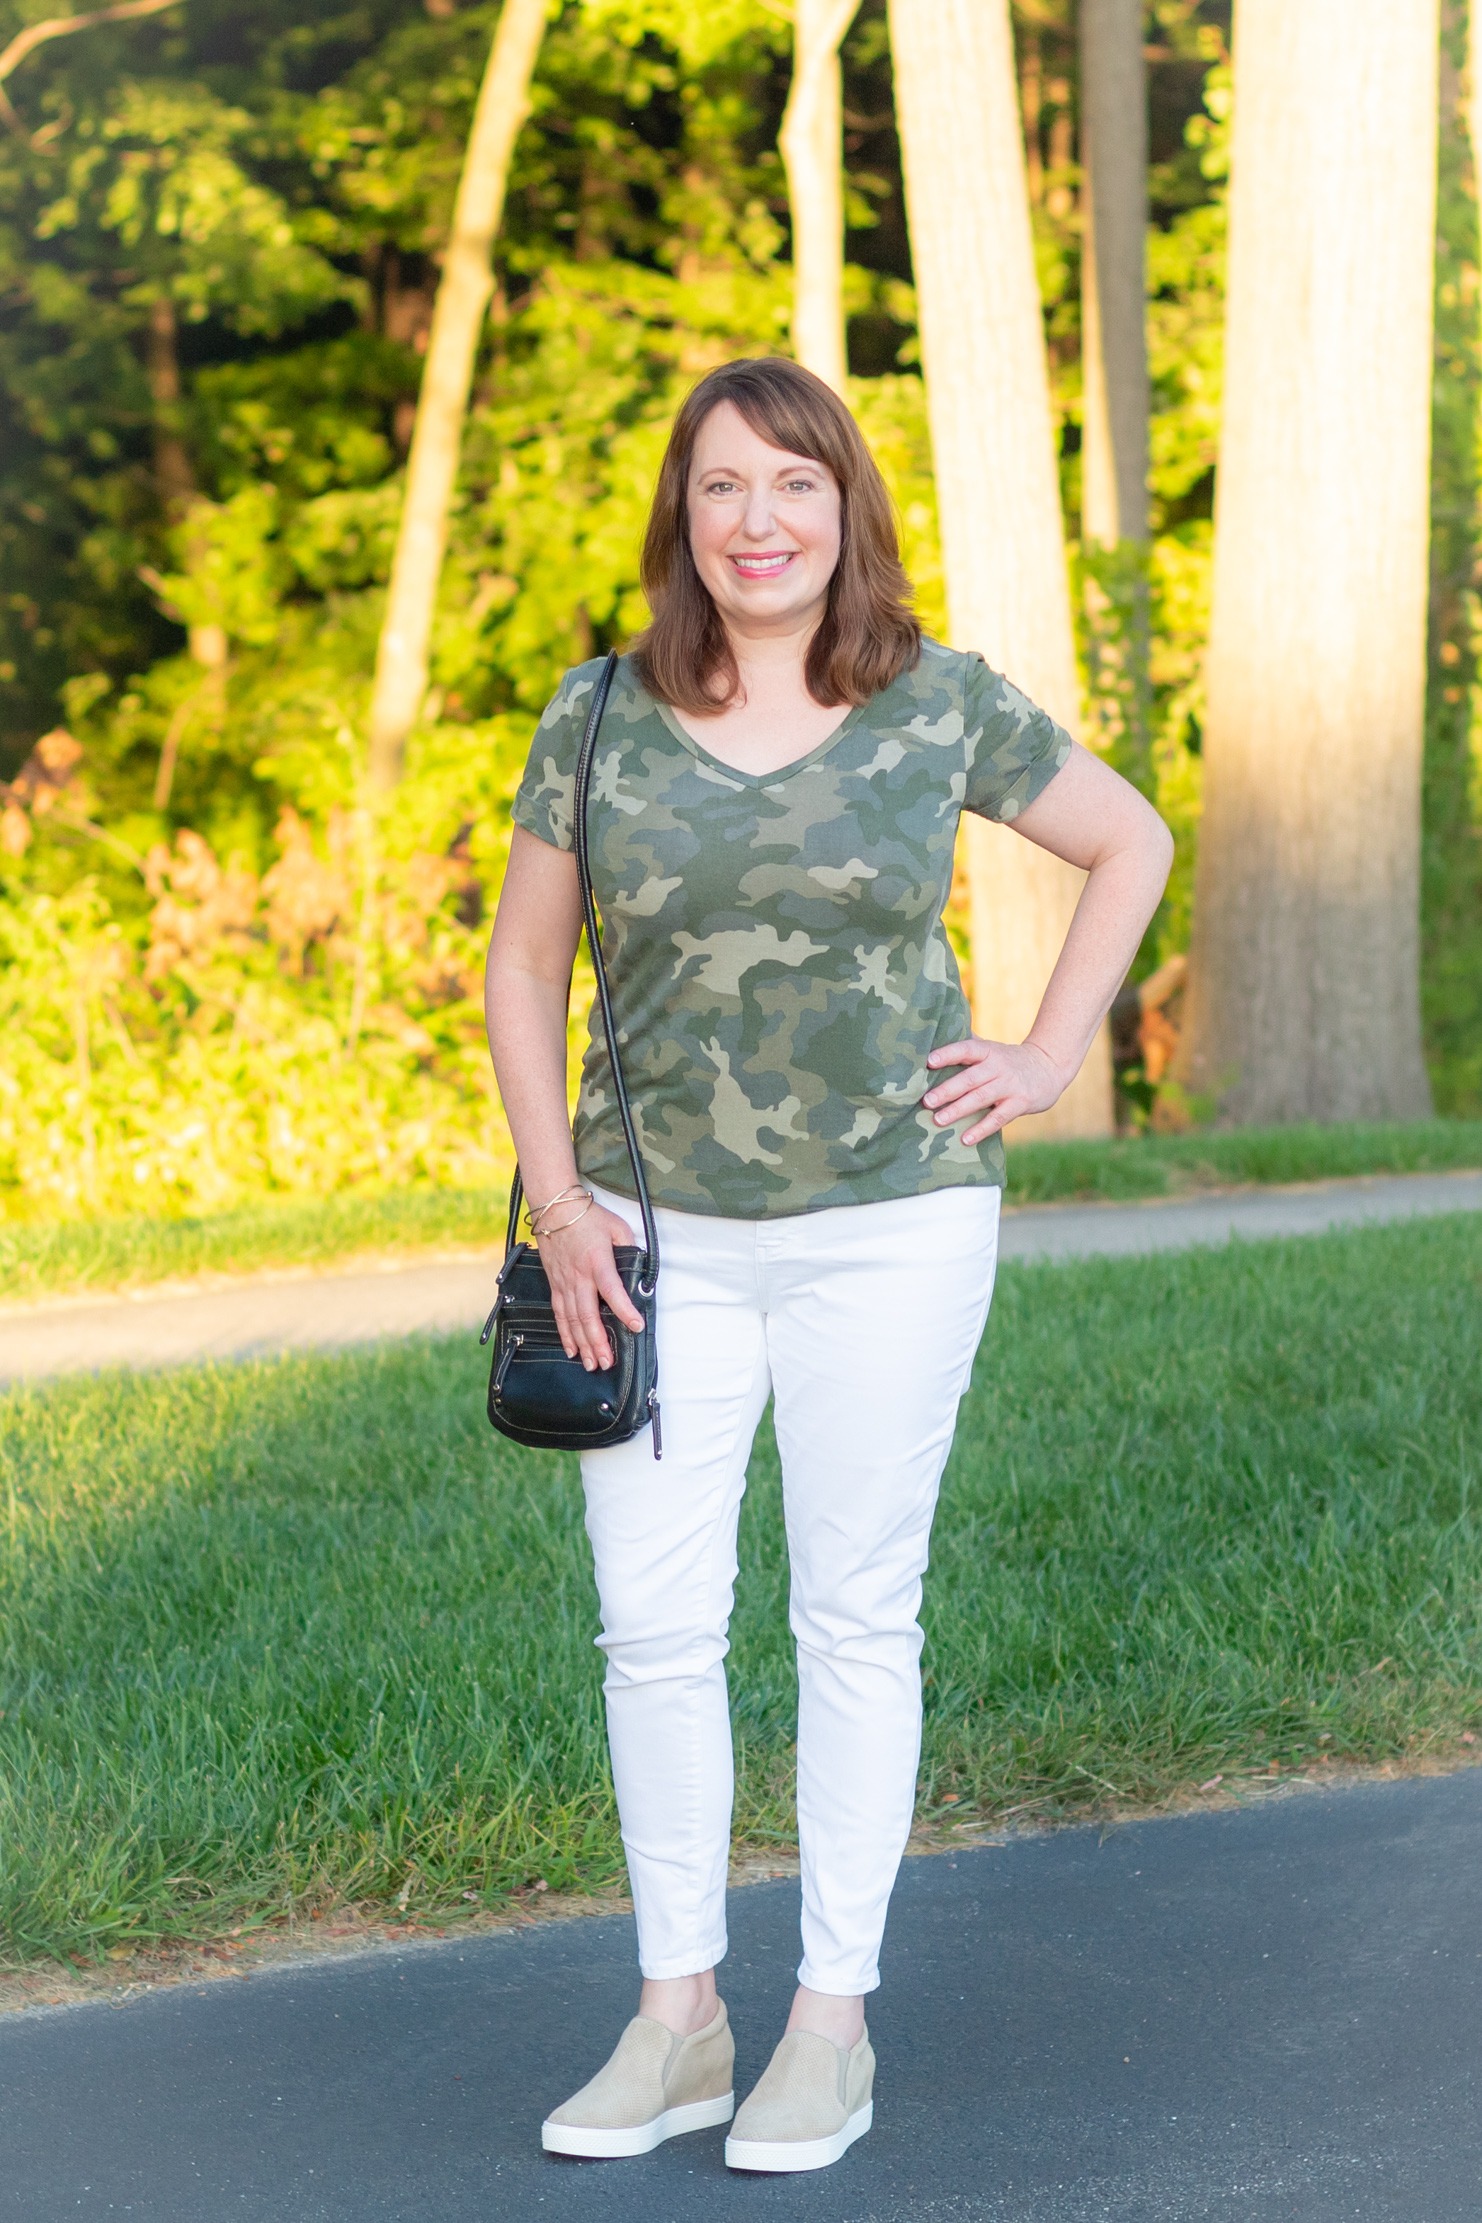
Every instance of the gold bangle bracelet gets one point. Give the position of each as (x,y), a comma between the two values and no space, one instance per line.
(540,1233)
(534,1212)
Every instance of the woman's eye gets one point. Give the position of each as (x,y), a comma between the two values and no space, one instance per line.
(798,486)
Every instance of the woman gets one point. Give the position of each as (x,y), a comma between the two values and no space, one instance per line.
(777,786)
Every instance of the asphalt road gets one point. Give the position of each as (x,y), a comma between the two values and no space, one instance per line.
(1271,2015)
(151,1327)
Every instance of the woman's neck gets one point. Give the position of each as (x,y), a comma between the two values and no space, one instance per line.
(773,720)
(773,665)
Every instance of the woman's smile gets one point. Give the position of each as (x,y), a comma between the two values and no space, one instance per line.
(765,566)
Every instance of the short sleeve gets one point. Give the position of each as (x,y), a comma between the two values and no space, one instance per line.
(543,801)
(1013,748)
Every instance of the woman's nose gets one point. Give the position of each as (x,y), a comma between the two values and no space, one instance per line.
(759,517)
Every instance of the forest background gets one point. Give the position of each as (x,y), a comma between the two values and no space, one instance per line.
(226,970)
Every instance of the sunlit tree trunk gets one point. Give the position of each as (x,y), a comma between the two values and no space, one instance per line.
(1304,976)
(998,493)
(1114,365)
(812,151)
(1114,155)
(432,466)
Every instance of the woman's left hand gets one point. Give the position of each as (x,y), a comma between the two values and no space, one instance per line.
(1002,1080)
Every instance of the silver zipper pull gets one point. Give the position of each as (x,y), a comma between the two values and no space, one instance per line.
(509,1351)
(653,1414)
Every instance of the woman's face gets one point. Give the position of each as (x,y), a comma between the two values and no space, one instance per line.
(765,526)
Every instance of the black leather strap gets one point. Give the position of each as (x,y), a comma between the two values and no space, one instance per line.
(582,788)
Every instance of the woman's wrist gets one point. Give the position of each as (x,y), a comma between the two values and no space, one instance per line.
(1060,1072)
(544,1181)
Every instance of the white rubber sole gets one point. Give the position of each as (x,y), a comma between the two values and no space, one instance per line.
(784,2155)
(616,2145)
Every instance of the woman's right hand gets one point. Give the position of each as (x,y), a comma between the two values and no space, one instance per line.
(582,1272)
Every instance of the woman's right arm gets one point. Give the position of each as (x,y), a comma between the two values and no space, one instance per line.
(527,991)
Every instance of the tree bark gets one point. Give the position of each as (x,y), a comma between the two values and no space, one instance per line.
(1114,159)
(174,479)
(1032,109)
(998,493)
(432,467)
(812,152)
(175,484)
(1114,367)
(1304,975)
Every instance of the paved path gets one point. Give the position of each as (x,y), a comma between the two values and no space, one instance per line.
(164,1328)
(1264,2016)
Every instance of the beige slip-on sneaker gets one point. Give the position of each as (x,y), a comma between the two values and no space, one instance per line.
(655,2086)
(813,2101)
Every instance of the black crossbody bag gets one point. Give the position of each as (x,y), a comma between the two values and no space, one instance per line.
(537,1395)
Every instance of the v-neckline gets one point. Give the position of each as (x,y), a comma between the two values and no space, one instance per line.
(760,780)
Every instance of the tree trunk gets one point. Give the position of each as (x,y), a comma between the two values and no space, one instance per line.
(812,151)
(1032,109)
(1114,364)
(174,480)
(1114,155)
(998,493)
(175,484)
(432,467)
(1304,977)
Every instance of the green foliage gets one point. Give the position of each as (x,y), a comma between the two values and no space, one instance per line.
(641,246)
(697,30)
(275,1636)
(186,1040)
(158,175)
(315,1027)
(218,242)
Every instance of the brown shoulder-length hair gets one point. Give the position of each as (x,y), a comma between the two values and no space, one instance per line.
(869,633)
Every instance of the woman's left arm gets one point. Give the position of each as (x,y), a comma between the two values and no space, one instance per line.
(1093,818)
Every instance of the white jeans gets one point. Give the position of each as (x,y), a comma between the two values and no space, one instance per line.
(862,1322)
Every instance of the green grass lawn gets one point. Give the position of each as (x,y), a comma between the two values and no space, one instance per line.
(306,1631)
(114,1254)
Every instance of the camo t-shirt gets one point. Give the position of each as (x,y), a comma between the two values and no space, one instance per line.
(775,947)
